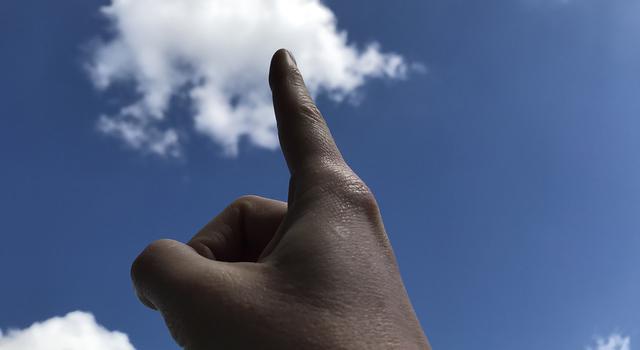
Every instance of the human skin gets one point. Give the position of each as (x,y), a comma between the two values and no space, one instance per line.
(317,272)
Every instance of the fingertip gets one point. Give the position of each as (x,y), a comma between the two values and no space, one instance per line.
(282,54)
(281,62)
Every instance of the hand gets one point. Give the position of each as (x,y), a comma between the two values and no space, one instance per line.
(316,274)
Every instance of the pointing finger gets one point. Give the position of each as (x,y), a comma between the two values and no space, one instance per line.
(305,139)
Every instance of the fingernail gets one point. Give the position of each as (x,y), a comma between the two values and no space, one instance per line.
(292,59)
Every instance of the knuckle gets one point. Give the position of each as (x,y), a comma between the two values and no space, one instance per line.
(248,198)
(306,106)
(350,189)
(294,76)
(309,109)
(150,259)
(358,194)
(245,202)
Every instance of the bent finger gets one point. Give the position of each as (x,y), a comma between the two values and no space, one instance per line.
(241,231)
(163,269)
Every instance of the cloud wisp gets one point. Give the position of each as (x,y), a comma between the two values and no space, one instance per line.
(75,331)
(614,342)
(214,55)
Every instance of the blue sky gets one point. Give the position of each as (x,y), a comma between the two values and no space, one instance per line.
(508,175)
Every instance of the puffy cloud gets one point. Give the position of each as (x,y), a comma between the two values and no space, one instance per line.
(75,331)
(614,342)
(213,57)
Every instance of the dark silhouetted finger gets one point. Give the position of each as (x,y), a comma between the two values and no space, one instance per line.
(241,231)
(159,272)
(173,278)
(305,139)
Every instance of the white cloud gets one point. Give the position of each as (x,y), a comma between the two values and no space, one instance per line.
(75,331)
(215,54)
(614,342)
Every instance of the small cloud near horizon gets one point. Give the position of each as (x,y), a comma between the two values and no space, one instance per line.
(613,342)
(76,331)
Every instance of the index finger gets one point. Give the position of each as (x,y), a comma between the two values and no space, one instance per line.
(305,138)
